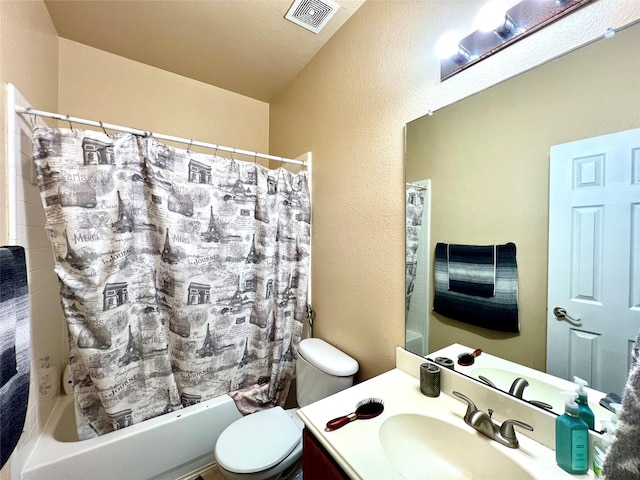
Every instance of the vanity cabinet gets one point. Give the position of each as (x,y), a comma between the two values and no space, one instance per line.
(317,464)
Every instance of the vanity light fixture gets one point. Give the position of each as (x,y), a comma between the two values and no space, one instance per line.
(493,17)
(498,27)
(449,47)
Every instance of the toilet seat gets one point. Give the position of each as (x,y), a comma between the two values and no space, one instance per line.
(257,442)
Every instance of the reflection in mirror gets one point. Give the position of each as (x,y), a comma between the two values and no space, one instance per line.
(533,386)
(487,158)
(417,245)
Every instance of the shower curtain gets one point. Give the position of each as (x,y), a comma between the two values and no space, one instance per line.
(414,208)
(182,275)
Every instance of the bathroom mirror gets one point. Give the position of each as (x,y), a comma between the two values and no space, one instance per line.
(487,160)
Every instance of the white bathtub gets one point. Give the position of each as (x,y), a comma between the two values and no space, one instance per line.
(162,448)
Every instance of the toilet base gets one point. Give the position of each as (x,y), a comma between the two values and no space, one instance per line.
(294,472)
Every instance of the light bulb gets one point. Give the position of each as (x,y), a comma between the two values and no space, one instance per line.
(447,46)
(492,16)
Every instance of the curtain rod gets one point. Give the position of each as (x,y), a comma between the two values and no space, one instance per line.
(145,133)
(417,185)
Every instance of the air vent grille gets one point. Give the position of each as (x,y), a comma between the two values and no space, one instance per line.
(311,14)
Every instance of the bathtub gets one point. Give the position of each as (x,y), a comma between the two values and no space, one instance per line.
(162,448)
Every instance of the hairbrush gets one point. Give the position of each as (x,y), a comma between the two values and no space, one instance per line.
(466,359)
(367,408)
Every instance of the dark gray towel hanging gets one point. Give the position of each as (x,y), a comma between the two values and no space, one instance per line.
(472,269)
(496,312)
(14,325)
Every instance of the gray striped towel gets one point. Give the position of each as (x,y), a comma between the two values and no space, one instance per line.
(484,295)
(14,348)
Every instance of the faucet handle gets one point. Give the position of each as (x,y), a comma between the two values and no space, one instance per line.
(471,407)
(507,431)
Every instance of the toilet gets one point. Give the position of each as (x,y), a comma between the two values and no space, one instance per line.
(267,445)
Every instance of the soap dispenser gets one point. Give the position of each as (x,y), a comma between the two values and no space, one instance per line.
(585,412)
(572,438)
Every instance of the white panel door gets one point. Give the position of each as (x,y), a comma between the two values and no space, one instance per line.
(594,259)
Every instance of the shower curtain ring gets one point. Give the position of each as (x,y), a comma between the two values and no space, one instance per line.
(255,158)
(32,117)
(233,151)
(70,125)
(189,147)
(102,127)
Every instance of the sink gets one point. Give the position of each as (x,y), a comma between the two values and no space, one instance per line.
(422,447)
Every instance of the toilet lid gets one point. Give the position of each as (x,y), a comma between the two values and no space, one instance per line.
(327,358)
(257,441)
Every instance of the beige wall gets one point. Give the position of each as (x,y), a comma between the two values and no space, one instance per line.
(29,59)
(101,86)
(349,106)
(488,159)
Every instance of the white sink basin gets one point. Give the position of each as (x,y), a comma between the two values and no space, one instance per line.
(423,447)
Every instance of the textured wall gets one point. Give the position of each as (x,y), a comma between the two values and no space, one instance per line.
(349,106)
(29,60)
(101,86)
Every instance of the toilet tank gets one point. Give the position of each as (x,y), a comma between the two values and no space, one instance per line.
(321,370)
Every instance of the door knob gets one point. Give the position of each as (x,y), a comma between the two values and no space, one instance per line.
(561,314)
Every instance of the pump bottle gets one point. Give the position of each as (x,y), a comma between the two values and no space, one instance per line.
(585,412)
(572,438)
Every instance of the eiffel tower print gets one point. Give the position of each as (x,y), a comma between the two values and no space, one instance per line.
(245,356)
(212,234)
(208,347)
(125,221)
(252,257)
(133,352)
(168,255)
(72,258)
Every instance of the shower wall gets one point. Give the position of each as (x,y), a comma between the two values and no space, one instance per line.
(417,321)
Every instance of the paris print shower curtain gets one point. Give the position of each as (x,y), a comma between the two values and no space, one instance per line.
(182,275)
(414,204)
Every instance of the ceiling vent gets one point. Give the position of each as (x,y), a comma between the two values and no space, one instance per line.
(311,14)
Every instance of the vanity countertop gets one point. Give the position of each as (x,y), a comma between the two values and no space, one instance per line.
(357,447)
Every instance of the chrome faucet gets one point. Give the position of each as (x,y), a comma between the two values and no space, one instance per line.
(484,423)
(516,389)
(518,386)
